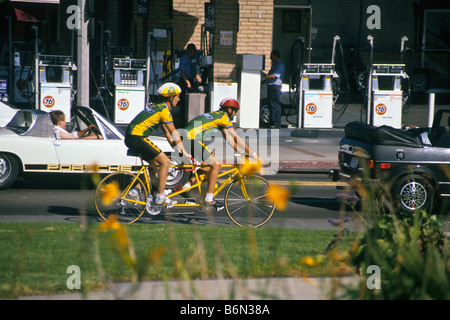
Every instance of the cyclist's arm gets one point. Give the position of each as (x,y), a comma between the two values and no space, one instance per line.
(234,140)
(173,137)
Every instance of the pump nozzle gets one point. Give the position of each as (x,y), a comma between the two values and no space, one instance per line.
(402,46)
(335,40)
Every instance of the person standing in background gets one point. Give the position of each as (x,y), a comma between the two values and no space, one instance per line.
(190,75)
(274,81)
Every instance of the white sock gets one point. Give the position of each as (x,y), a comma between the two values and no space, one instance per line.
(161,195)
(209,197)
(186,185)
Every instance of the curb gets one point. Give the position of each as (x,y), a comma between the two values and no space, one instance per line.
(316,166)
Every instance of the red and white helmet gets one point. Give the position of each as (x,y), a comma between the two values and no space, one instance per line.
(229,103)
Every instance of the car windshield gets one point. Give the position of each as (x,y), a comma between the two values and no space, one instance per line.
(83,117)
(108,134)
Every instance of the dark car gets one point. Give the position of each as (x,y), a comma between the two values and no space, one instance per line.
(413,165)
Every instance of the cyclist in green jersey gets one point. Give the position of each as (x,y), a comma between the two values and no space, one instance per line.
(201,127)
(141,127)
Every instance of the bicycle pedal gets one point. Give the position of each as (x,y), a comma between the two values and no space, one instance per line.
(152,208)
(216,205)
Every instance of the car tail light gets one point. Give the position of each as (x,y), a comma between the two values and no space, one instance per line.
(385,166)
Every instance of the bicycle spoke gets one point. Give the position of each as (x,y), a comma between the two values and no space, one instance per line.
(127,200)
(246,204)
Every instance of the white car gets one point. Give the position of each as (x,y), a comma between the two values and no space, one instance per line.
(7,112)
(28,145)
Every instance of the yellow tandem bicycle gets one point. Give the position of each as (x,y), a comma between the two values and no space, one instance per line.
(129,195)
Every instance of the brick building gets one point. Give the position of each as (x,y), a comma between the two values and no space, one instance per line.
(248,23)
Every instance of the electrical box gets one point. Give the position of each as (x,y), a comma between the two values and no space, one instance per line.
(195,103)
(251,62)
(220,91)
(156,67)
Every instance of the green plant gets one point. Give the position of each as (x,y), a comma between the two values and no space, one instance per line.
(411,252)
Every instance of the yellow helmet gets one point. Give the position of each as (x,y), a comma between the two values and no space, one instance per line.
(169,89)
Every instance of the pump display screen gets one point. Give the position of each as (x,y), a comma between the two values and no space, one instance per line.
(54,74)
(138,64)
(318,68)
(389,68)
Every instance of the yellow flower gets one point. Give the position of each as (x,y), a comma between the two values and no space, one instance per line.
(120,231)
(111,224)
(250,167)
(156,255)
(336,255)
(309,261)
(120,237)
(279,195)
(110,193)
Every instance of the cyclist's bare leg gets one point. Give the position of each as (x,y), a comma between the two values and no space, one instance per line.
(164,163)
(153,170)
(213,173)
(204,170)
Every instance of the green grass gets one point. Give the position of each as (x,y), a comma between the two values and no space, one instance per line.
(34,256)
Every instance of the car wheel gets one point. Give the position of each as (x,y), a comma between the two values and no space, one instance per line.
(413,192)
(177,177)
(420,80)
(264,113)
(9,169)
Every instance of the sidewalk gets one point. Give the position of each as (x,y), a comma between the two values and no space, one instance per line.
(291,288)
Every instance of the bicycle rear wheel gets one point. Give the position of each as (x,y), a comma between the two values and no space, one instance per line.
(110,198)
(246,203)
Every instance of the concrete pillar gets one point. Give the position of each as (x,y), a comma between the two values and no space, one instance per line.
(83,57)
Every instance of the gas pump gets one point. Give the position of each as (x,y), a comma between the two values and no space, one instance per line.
(55,83)
(129,88)
(386,96)
(316,93)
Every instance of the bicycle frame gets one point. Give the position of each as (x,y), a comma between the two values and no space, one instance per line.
(242,199)
(233,172)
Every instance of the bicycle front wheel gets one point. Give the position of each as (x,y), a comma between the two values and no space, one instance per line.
(111,199)
(246,203)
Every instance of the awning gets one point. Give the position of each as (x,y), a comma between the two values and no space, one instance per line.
(24,17)
(38,1)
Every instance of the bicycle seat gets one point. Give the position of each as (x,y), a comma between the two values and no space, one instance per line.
(132,153)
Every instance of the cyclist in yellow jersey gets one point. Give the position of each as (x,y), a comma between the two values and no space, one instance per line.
(136,135)
(198,130)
